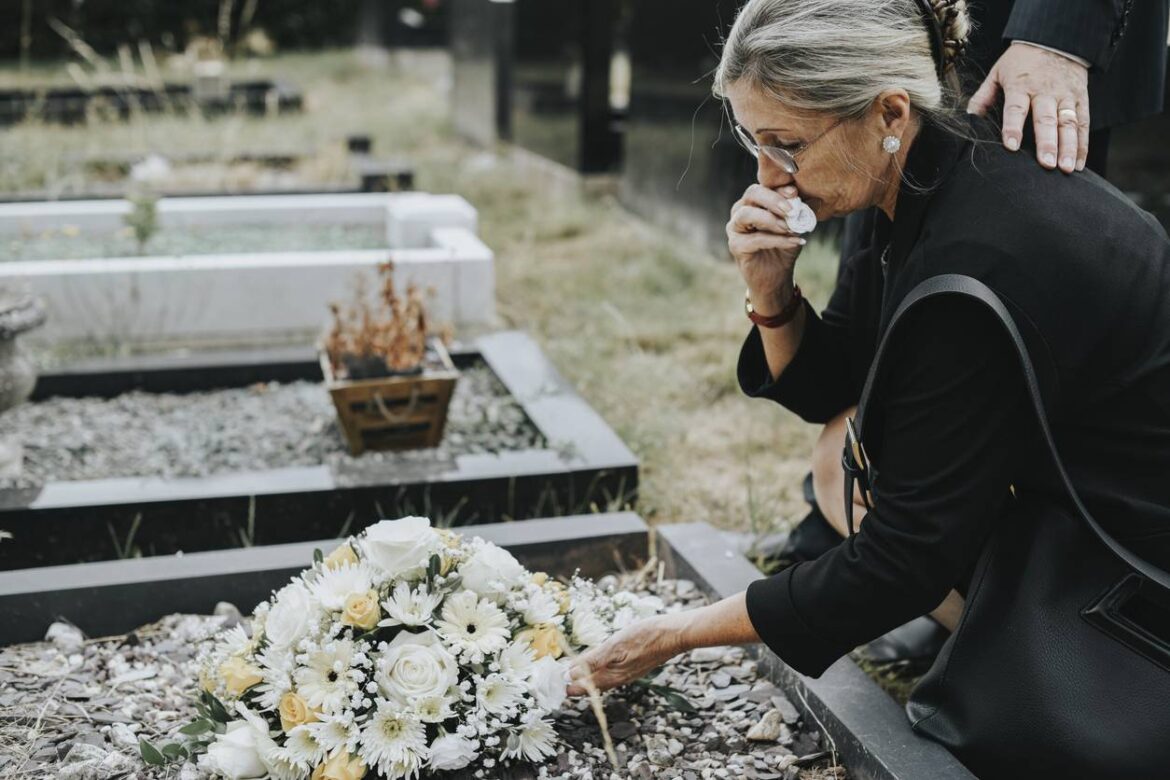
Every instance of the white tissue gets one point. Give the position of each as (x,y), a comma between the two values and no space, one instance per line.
(801,218)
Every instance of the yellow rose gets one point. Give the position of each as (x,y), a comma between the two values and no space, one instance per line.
(340,767)
(294,712)
(539,579)
(361,610)
(342,556)
(544,639)
(206,681)
(239,675)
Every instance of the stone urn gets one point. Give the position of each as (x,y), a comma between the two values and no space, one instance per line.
(18,376)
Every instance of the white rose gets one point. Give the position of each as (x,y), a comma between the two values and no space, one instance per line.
(415,666)
(401,546)
(491,571)
(801,218)
(239,752)
(549,681)
(288,620)
(451,751)
(588,629)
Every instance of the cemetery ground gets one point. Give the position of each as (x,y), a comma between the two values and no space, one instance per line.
(645,324)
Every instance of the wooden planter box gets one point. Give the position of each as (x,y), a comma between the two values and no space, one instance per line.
(394,412)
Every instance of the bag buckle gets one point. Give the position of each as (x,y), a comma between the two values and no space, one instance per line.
(856,466)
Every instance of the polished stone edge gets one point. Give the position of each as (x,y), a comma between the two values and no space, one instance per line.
(113,597)
(562,416)
(869,730)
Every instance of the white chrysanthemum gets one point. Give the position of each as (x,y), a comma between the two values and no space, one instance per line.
(333,733)
(282,766)
(324,682)
(433,709)
(517,659)
(533,742)
(233,642)
(276,667)
(473,627)
(542,606)
(410,606)
(302,748)
(333,586)
(498,694)
(589,629)
(393,742)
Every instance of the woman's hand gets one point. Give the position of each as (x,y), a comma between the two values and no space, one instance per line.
(763,247)
(627,655)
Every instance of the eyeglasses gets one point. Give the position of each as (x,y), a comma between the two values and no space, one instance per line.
(778,154)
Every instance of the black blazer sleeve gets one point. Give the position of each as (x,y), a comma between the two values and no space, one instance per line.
(1091,29)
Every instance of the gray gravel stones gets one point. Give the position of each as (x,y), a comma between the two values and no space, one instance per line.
(79,714)
(241,429)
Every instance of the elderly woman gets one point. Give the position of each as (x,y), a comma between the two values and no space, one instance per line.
(850,104)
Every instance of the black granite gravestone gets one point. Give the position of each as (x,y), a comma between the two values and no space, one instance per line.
(683,167)
(481,34)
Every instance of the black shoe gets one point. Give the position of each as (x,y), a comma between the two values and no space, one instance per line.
(920,640)
(810,539)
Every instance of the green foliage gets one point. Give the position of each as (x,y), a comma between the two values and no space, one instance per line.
(142,218)
(672,696)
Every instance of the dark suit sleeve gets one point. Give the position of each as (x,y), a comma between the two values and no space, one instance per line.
(1091,29)
(951,413)
(825,376)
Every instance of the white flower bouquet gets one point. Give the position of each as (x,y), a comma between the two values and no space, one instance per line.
(408,650)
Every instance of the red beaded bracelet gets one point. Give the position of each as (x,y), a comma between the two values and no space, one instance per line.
(777,320)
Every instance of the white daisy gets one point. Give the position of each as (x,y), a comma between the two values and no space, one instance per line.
(333,733)
(473,627)
(333,586)
(588,628)
(410,607)
(534,742)
(302,748)
(281,765)
(393,742)
(325,680)
(498,694)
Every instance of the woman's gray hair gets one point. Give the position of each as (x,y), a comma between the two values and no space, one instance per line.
(837,56)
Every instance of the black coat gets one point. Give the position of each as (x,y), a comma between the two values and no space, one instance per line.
(1123,40)
(1087,275)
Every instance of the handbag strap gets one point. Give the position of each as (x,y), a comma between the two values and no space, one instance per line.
(973,288)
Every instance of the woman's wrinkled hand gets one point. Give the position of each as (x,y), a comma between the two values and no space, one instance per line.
(626,656)
(763,247)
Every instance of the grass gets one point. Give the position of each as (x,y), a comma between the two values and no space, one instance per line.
(645,325)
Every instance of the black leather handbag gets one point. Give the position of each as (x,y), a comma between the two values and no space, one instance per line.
(1060,664)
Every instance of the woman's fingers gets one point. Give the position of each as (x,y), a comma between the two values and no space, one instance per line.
(747,219)
(742,244)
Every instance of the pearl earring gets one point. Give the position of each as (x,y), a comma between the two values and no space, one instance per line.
(891,144)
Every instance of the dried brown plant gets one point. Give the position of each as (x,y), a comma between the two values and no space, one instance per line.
(395,330)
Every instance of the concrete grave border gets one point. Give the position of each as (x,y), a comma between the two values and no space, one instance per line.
(868,729)
(585,463)
(254,297)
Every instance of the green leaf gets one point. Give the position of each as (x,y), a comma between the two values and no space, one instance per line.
(174,751)
(195,727)
(318,556)
(215,707)
(679,702)
(434,566)
(150,753)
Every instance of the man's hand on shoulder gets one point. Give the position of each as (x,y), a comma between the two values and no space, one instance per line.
(1054,88)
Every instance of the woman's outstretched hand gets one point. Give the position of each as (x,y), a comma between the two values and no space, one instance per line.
(627,655)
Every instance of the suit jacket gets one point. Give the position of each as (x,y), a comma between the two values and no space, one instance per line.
(1123,40)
